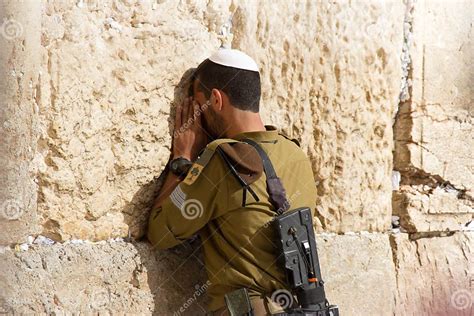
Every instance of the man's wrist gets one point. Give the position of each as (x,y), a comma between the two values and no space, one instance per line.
(180,166)
(186,156)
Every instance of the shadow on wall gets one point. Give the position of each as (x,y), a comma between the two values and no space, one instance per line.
(136,212)
(177,276)
(177,279)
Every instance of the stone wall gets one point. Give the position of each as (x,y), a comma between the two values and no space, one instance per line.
(379,94)
(434,122)
(19,71)
(433,162)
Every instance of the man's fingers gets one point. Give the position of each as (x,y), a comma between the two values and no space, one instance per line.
(185,115)
(177,119)
(188,114)
(196,113)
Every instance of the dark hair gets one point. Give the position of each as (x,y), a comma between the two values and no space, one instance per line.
(242,87)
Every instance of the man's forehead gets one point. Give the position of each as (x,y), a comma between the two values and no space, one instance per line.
(197,93)
(196,88)
(195,84)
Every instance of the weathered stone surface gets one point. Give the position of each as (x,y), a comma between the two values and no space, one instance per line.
(331,77)
(19,63)
(442,51)
(110,71)
(359,273)
(96,82)
(121,277)
(423,209)
(435,275)
(105,278)
(434,127)
(109,76)
(436,143)
(434,131)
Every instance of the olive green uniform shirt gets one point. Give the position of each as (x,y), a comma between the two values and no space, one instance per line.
(239,243)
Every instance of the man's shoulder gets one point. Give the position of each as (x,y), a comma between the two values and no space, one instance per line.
(205,159)
(294,140)
(289,142)
(226,155)
(290,149)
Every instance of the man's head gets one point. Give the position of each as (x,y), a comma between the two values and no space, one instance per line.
(229,84)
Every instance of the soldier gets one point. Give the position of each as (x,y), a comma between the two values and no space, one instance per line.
(218,190)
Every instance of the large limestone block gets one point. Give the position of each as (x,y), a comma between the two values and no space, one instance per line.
(442,50)
(20,24)
(120,277)
(434,275)
(105,278)
(435,127)
(359,273)
(110,69)
(436,143)
(423,209)
(331,78)
(110,75)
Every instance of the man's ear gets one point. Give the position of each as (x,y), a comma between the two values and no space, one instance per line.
(216,99)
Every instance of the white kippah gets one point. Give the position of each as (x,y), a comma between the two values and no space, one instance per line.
(234,58)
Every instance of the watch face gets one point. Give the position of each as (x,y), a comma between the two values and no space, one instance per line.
(173,166)
(180,166)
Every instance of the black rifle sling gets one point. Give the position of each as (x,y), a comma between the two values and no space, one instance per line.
(275,188)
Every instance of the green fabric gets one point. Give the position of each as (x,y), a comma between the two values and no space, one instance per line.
(239,244)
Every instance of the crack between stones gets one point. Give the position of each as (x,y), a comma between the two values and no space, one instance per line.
(407,72)
(420,235)
(403,113)
(413,176)
(409,141)
(394,249)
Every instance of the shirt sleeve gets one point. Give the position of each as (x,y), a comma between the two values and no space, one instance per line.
(190,207)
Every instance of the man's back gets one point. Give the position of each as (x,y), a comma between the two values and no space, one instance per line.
(240,244)
(234,220)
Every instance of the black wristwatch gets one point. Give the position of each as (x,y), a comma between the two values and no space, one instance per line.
(180,166)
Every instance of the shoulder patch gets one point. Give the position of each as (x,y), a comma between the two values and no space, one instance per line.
(178,197)
(204,159)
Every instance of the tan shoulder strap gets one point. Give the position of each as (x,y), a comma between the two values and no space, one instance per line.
(204,158)
(294,140)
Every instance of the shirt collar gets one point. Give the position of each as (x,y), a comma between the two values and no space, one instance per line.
(270,133)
